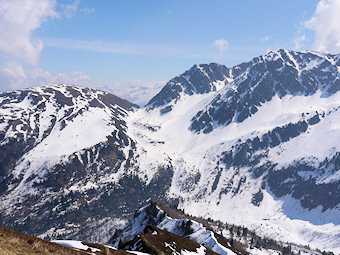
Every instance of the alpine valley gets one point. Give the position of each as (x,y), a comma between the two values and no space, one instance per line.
(255,145)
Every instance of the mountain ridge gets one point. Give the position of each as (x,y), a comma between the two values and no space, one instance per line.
(252,165)
(220,237)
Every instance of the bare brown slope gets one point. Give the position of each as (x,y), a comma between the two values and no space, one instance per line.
(16,243)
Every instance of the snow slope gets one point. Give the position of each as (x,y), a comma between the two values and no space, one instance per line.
(284,154)
(197,155)
(56,142)
(76,244)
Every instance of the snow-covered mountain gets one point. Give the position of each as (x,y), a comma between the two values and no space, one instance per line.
(252,145)
(61,147)
(259,149)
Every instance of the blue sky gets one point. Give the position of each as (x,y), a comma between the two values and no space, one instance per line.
(134,46)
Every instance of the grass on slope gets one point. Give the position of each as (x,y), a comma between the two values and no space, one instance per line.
(16,243)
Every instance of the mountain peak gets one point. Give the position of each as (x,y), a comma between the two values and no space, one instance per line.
(203,78)
(199,79)
(278,73)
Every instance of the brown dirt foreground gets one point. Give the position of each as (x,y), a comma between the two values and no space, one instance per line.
(16,243)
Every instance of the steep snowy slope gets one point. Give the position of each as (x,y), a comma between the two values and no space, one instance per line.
(259,150)
(58,144)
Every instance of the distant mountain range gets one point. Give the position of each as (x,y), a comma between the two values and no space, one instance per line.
(255,145)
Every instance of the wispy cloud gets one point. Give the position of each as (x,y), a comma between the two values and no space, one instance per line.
(87,11)
(20,49)
(136,91)
(325,24)
(298,42)
(265,38)
(15,76)
(69,10)
(221,45)
(18,20)
(130,48)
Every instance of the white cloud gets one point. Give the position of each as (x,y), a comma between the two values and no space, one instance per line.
(132,48)
(14,76)
(87,11)
(266,38)
(222,45)
(69,10)
(136,91)
(20,49)
(18,19)
(325,23)
(298,41)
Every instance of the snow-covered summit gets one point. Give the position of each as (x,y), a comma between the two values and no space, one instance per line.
(290,72)
(240,91)
(200,79)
